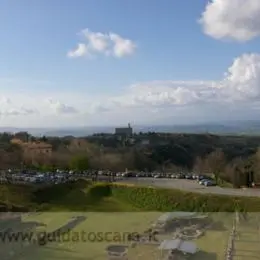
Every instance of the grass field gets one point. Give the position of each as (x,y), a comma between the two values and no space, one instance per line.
(247,241)
(115,213)
(212,244)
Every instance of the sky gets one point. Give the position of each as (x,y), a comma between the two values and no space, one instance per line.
(99,62)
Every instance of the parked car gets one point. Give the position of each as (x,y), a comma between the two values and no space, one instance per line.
(195,176)
(202,182)
(188,177)
(180,176)
(204,177)
(201,177)
(210,183)
(3,180)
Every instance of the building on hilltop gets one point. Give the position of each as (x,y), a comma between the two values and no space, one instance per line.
(32,149)
(124,131)
(37,148)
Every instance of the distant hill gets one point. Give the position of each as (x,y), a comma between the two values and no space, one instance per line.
(76,131)
(233,127)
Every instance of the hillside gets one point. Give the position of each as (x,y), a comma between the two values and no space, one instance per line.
(226,156)
(85,196)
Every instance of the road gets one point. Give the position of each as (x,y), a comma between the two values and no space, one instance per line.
(190,185)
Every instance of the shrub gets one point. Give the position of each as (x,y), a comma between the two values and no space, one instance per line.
(167,200)
(59,191)
(98,191)
(15,194)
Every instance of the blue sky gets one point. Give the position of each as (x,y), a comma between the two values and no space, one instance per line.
(140,61)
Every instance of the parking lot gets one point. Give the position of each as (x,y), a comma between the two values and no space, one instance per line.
(190,185)
(155,180)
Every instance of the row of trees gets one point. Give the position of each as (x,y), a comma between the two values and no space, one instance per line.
(173,157)
(239,171)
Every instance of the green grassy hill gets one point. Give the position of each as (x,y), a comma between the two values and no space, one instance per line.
(85,196)
(77,196)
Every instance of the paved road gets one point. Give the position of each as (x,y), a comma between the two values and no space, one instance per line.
(192,186)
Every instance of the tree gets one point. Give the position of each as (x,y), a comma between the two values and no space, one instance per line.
(60,160)
(23,136)
(200,165)
(249,170)
(79,163)
(5,137)
(46,168)
(216,163)
(44,139)
(256,165)
(238,172)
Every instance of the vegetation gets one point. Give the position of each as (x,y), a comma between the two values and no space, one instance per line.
(229,158)
(85,196)
(79,163)
(175,200)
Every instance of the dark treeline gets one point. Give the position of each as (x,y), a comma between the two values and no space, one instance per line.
(228,158)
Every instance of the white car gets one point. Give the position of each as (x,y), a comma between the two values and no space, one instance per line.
(202,182)
(3,180)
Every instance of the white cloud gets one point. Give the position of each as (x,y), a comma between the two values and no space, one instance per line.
(8,108)
(242,81)
(98,42)
(17,112)
(4,101)
(240,84)
(61,108)
(122,47)
(81,50)
(232,19)
(236,95)
(109,44)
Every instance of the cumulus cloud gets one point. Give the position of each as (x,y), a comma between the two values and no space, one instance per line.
(232,19)
(79,51)
(122,47)
(241,83)
(8,108)
(109,44)
(97,41)
(242,80)
(17,112)
(240,86)
(61,108)
(237,94)
(5,101)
